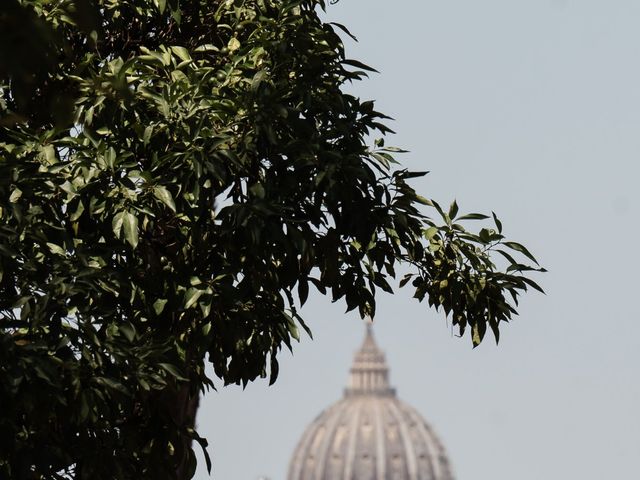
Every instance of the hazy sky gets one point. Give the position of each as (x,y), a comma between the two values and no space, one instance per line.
(531,109)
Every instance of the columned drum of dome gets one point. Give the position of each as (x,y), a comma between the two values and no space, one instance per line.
(369,434)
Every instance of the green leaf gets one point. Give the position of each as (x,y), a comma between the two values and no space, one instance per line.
(161,4)
(158,305)
(476,338)
(112,384)
(258,190)
(128,330)
(203,444)
(233,45)
(191,297)
(173,370)
(182,53)
(473,216)
(405,279)
(303,290)
(275,368)
(453,210)
(116,224)
(293,329)
(497,222)
(344,29)
(15,195)
(146,136)
(78,213)
(205,308)
(208,47)
(444,216)
(162,194)
(130,227)
(520,248)
(110,157)
(49,154)
(424,201)
(258,78)
(485,235)
(511,260)
(358,64)
(402,150)
(533,284)
(57,249)
(431,232)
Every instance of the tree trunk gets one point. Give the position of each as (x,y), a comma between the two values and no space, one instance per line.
(185,408)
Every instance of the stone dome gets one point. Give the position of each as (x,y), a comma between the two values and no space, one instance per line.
(369,434)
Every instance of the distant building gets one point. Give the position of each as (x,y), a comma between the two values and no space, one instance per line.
(369,434)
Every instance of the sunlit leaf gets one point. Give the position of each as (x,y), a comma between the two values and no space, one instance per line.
(162,194)
(130,228)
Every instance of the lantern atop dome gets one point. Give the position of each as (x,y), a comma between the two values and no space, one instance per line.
(369,374)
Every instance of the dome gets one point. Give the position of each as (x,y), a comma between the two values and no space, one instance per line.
(369,434)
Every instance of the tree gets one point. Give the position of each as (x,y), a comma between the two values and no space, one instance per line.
(175,176)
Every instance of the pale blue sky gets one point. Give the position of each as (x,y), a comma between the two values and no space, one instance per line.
(531,109)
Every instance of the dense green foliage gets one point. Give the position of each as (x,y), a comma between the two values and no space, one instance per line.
(175,176)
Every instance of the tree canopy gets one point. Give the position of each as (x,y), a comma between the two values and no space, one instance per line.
(175,177)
